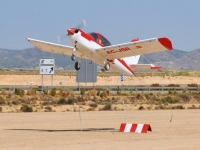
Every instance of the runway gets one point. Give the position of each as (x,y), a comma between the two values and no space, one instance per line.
(49,130)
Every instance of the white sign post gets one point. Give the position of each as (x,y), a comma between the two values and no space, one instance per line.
(47,66)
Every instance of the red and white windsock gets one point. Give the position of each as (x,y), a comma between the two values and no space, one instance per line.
(138,128)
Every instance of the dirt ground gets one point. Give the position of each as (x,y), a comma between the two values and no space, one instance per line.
(22,130)
(101,80)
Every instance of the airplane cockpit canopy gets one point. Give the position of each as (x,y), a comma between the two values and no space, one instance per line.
(100,39)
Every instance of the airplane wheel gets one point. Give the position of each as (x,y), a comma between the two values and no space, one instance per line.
(77,66)
(73,57)
(107,66)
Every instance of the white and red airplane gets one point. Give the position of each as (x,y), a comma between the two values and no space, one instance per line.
(95,47)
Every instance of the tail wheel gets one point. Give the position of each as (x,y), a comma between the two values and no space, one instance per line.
(77,66)
(107,66)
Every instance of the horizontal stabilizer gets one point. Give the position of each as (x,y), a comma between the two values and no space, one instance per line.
(148,66)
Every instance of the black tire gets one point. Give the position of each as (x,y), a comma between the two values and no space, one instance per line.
(76,66)
(107,66)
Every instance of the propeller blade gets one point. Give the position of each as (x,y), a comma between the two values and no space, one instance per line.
(81,24)
(61,37)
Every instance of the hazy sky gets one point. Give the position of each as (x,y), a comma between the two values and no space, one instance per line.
(119,21)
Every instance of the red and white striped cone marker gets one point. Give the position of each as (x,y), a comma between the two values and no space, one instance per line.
(138,128)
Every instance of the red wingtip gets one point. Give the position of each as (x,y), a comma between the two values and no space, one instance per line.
(166,43)
(135,40)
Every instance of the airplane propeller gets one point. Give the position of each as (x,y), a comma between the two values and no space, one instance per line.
(79,26)
(61,37)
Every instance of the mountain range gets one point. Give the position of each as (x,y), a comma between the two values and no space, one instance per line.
(29,59)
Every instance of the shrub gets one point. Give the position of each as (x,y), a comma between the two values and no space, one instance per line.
(170,92)
(101,94)
(45,92)
(71,101)
(53,92)
(118,92)
(71,93)
(192,107)
(94,105)
(80,98)
(159,107)
(178,107)
(185,97)
(61,92)
(107,106)
(31,92)
(92,92)
(173,85)
(98,92)
(138,96)
(15,102)
(82,91)
(105,93)
(3,91)
(62,101)
(131,91)
(125,93)
(17,91)
(2,102)
(169,99)
(65,93)
(22,93)
(48,108)
(141,108)
(149,107)
(1,109)
(155,85)
(46,103)
(192,85)
(90,109)
(26,108)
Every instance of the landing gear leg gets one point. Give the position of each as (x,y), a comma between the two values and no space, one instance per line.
(73,57)
(73,52)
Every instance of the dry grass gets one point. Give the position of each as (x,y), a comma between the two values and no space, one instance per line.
(3,92)
(92,92)
(92,102)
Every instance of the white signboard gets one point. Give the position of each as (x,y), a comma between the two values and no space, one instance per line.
(47,61)
(47,70)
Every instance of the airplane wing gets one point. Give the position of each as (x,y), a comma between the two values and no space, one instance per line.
(148,66)
(54,48)
(135,48)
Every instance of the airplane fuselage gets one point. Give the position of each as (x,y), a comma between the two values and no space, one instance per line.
(86,46)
